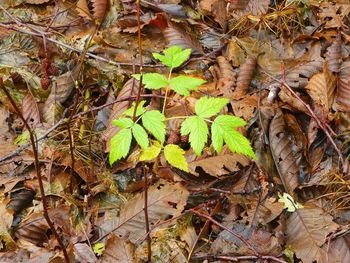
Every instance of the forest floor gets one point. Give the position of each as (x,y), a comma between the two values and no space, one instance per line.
(174,131)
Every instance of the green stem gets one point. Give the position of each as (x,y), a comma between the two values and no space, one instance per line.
(166,91)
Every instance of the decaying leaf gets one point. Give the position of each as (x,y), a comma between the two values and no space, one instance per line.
(281,148)
(83,253)
(165,200)
(227,77)
(225,163)
(298,77)
(334,55)
(33,229)
(343,93)
(307,229)
(263,241)
(98,8)
(321,89)
(338,250)
(118,250)
(30,110)
(245,75)
(176,36)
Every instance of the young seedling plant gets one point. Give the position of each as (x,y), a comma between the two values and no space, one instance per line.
(154,122)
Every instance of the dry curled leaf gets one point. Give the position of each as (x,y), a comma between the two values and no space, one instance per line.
(129,89)
(220,165)
(245,75)
(307,229)
(287,97)
(33,229)
(227,77)
(84,253)
(281,148)
(30,110)
(83,9)
(343,93)
(176,35)
(321,89)
(118,250)
(298,77)
(338,250)
(98,9)
(20,200)
(334,55)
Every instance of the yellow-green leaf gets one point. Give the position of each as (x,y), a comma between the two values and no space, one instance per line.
(150,153)
(175,157)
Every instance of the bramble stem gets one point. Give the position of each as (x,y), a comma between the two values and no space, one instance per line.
(166,91)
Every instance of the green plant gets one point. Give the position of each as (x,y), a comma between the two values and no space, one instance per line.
(197,126)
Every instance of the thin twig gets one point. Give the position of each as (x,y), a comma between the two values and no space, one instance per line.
(140,58)
(38,173)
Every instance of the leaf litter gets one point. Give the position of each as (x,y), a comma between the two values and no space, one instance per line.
(273,74)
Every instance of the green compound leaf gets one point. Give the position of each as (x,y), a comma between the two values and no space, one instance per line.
(208,107)
(236,142)
(140,135)
(222,130)
(150,153)
(229,121)
(152,80)
(217,138)
(197,128)
(173,56)
(175,157)
(123,123)
(140,109)
(120,145)
(153,121)
(184,84)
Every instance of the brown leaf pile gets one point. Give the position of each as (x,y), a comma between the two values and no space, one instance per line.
(283,65)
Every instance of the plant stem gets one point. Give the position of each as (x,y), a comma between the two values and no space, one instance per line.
(38,173)
(137,101)
(167,90)
(145,208)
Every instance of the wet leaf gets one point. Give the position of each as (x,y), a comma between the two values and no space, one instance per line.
(118,250)
(307,229)
(281,148)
